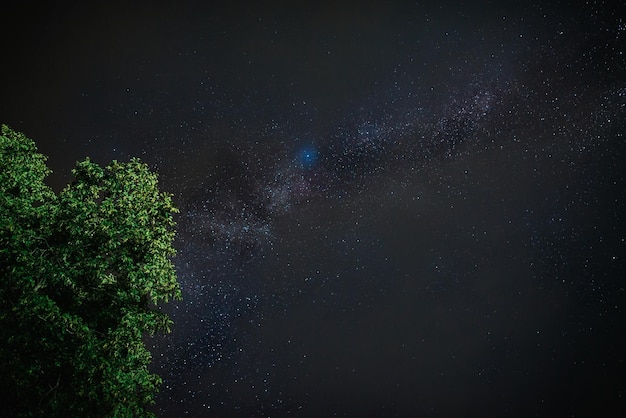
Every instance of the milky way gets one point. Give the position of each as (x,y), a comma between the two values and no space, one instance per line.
(247,228)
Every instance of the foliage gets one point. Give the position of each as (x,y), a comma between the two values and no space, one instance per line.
(82,275)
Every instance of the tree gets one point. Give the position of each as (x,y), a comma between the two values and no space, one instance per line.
(82,274)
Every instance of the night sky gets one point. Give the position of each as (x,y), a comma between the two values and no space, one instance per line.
(387,210)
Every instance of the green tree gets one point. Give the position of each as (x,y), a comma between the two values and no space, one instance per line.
(82,274)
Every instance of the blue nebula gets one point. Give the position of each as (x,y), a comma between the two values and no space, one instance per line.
(308,156)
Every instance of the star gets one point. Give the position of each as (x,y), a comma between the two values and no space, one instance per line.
(308,156)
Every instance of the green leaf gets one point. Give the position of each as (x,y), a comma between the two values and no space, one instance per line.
(83,274)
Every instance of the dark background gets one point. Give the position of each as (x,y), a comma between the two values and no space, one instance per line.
(387,209)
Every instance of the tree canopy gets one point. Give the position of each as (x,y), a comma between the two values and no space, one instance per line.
(83,272)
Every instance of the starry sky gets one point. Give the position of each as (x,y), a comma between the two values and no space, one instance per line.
(387,209)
